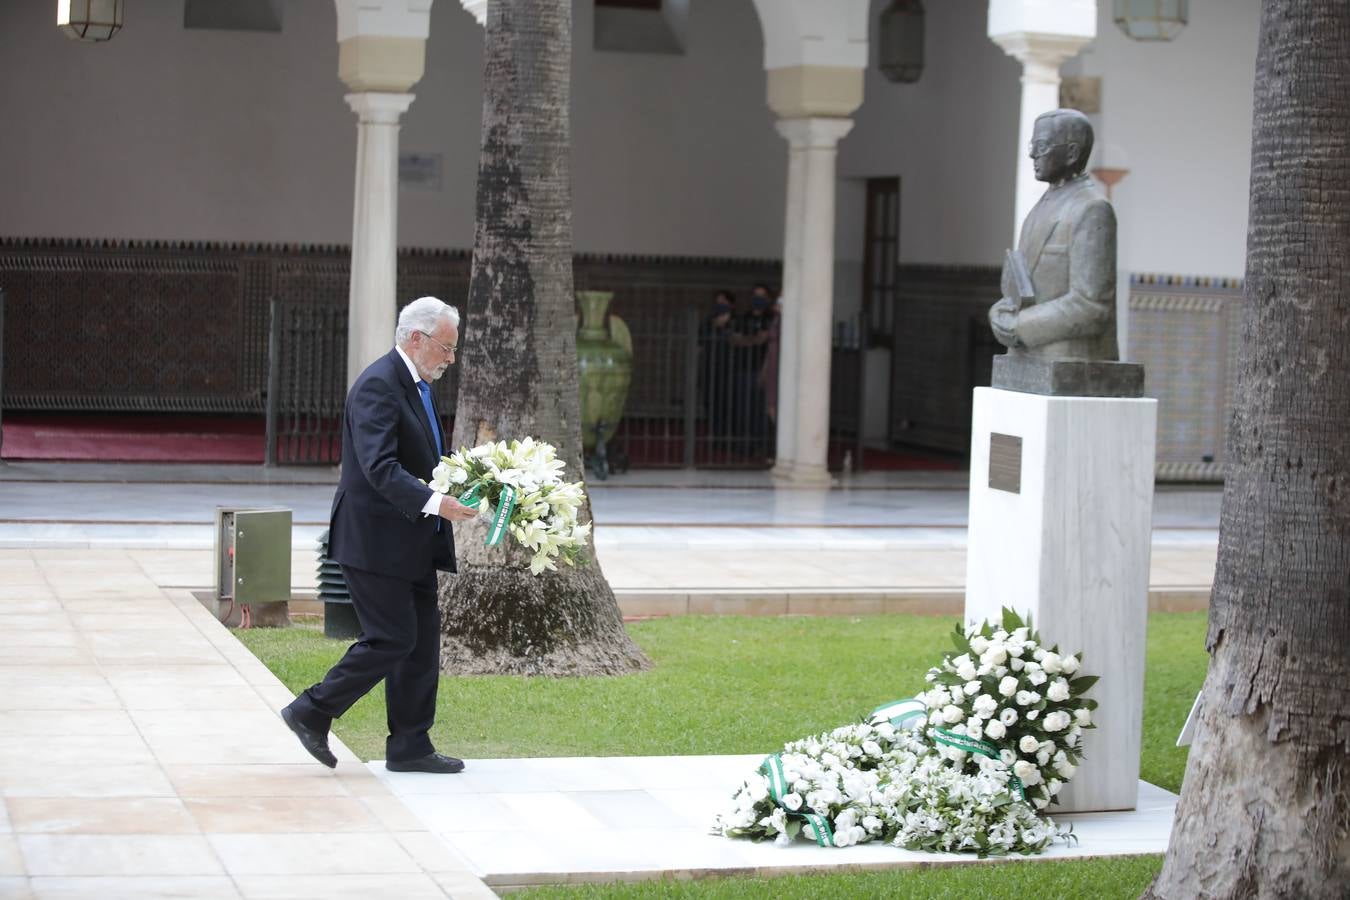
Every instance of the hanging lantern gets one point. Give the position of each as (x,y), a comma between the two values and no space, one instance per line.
(901,43)
(89,20)
(1151,20)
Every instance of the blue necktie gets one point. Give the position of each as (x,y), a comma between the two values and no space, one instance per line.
(425,390)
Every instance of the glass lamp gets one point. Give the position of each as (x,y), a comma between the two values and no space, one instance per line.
(901,43)
(1151,20)
(89,20)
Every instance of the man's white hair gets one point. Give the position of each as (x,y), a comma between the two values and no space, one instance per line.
(423,314)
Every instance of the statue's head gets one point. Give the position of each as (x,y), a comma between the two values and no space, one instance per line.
(1060,145)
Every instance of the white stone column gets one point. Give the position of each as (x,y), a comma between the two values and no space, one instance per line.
(1041,35)
(372,301)
(808,304)
(785,422)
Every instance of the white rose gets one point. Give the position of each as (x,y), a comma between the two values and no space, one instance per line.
(1007,756)
(1016,649)
(846,820)
(1024,770)
(952,714)
(1039,654)
(1032,714)
(1058,691)
(1069,664)
(872,824)
(972,688)
(996,655)
(1027,698)
(1052,663)
(966,671)
(995,730)
(979,644)
(1016,664)
(1038,677)
(871,748)
(1043,758)
(1008,717)
(1083,717)
(985,706)
(1000,635)
(1028,744)
(974,729)
(792,801)
(1056,721)
(1070,740)
(1066,769)
(1040,803)
(1054,786)
(1008,686)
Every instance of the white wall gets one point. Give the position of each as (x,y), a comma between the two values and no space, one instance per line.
(1178,115)
(950,137)
(212,135)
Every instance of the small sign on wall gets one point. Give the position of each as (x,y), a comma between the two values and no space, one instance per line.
(1005,463)
(419,171)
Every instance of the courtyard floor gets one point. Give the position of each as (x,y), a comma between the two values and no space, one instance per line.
(141,755)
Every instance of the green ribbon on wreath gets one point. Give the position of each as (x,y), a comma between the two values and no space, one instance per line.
(981,748)
(900,713)
(817,826)
(506,504)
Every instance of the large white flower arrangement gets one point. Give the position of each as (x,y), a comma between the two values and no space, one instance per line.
(929,774)
(522,481)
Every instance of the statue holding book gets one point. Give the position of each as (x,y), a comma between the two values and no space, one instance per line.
(1059,285)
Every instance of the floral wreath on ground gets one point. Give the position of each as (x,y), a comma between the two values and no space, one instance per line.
(966,767)
(520,485)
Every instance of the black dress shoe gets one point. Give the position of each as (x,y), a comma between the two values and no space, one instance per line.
(313,741)
(434,763)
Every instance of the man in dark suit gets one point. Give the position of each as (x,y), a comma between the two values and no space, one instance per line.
(391,533)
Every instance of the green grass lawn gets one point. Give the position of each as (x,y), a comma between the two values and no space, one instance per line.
(747,685)
(1088,879)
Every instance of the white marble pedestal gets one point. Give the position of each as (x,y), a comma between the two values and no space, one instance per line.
(1065,536)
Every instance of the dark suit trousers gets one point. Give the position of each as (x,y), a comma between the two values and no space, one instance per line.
(399,643)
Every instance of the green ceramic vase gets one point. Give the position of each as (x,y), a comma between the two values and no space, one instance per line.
(605,366)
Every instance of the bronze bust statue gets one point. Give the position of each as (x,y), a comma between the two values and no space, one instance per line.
(1059,285)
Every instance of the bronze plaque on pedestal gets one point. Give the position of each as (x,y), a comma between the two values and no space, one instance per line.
(1005,463)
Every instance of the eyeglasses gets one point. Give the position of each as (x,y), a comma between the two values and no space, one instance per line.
(449,351)
(1040,148)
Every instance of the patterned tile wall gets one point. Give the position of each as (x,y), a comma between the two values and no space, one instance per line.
(1187,331)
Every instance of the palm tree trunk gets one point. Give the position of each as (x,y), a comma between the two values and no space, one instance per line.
(1265,807)
(520,365)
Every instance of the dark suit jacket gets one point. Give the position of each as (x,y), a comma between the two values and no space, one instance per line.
(377,522)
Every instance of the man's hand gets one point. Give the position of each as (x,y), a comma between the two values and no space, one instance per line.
(454,511)
(1003,319)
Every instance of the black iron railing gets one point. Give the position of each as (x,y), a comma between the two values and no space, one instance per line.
(306,384)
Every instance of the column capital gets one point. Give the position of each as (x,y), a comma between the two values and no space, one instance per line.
(378,107)
(477,8)
(1041,55)
(813,132)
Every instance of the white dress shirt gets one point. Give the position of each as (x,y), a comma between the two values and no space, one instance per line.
(433,505)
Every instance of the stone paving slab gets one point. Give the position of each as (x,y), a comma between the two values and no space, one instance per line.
(141,756)
(521,822)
